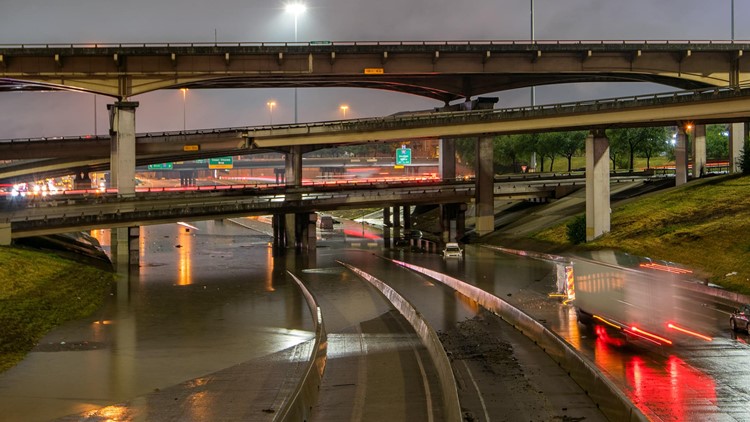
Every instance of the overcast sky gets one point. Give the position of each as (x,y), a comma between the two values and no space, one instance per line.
(69,21)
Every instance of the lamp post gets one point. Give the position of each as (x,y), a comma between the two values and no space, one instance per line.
(732,20)
(343,109)
(295,9)
(271,104)
(184,100)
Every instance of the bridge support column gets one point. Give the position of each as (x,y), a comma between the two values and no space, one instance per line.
(461,221)
(737,134)
(407,217)
(293,178)
(699,151)
(82,180)
(485,178)
(681,159)
(119,246)
(5,232)
(122,146)
(447,159)
(278,221)
(134,246)
(387,217)
(597,185)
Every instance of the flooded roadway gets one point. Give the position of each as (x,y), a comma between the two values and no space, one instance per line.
(207,299)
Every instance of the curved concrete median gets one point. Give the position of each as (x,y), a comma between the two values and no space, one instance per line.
(451,405)
(612,402)
(298,406)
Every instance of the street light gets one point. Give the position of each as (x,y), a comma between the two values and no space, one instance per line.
(344,108)
(271,105)
(184,100)
(295,9)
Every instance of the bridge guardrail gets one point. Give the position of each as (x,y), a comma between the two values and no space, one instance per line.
(299,405)
(448,387)
(526,42)
(608,398)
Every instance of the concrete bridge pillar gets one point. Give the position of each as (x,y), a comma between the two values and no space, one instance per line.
(699,151)
(396,216)
(387,217)
(278,221)
(680,154)
(461,221)
(447,159)
(125,246)
(737,134)
(82,180)
(293,179)
(597,185)
(485,179)
(122,147)
(5,233)
(407,217)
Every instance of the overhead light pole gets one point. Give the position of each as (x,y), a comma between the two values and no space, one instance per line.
(732,20)
(295,9)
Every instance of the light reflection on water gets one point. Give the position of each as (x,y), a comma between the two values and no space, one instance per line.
(185,312)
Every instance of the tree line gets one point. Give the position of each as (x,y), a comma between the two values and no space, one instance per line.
(512,153)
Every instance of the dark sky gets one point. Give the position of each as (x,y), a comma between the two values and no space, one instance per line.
(68,21)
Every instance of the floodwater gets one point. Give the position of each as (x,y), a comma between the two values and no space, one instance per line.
(202,300)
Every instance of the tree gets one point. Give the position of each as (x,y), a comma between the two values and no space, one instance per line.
(717,142)
(646,141)
(571,144)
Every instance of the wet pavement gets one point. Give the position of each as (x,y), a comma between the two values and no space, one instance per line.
(211,308)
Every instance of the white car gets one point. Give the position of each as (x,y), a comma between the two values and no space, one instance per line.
(452,250)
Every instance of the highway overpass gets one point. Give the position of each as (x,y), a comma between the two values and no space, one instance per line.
(443,70)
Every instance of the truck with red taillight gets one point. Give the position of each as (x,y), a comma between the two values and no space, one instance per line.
(640,304)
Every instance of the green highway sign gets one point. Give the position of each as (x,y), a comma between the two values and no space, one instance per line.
(220,163)
(403,156)
(160,166)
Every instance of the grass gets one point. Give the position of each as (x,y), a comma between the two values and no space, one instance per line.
(38,292)
(703,225)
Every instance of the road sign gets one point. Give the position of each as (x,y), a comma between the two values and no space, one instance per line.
(161,166)
(403,156)
(191,147)
(220,163)
(374,71)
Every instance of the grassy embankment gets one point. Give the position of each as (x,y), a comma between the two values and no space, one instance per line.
(38,292)
(703,225)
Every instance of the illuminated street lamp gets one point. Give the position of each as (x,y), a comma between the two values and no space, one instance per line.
(271,105)
(344,108)
(184,100)
(295,9)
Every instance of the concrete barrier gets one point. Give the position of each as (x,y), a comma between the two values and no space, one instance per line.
(603,392)
(451,405)
(299,405)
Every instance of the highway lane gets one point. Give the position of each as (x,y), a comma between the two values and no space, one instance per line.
(507,374)
(691,380)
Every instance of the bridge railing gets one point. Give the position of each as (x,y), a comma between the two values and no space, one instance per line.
(230,44)
(430,117)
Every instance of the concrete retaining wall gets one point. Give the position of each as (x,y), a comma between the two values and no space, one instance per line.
(451,405)
(613,403)
(299,405)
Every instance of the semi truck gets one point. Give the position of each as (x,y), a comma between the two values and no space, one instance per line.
(638,304)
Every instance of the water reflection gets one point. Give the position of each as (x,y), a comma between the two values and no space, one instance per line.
(185,264)
(671,388)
